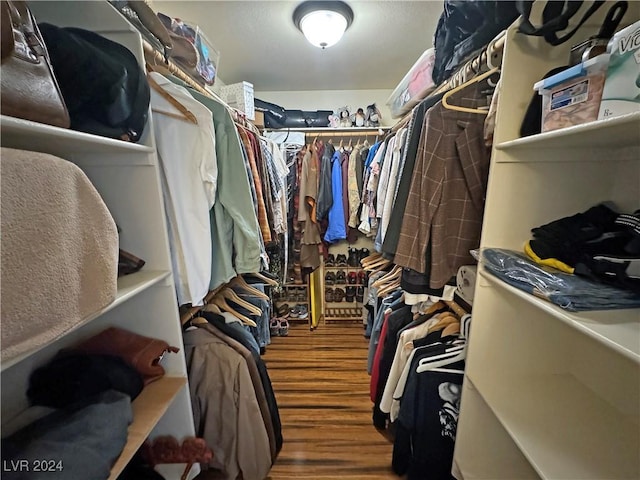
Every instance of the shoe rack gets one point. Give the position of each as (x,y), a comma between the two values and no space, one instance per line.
(344,283)
(298,299)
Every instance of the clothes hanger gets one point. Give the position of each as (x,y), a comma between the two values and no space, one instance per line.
(185,114)
(380,266)
(457,309)
(453,355)
(390,287)
(222,303)
(210,307)
(241,283)
(265,279)
(393,274)
(451,329)
(229,294)
(445,98)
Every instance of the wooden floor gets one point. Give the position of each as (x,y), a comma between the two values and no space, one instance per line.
(322,388)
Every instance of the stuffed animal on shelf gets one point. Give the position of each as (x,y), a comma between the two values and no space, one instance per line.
(345,117)
(373,116)
(359,118)
(334,121)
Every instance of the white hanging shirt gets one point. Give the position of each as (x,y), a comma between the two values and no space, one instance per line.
(187,154)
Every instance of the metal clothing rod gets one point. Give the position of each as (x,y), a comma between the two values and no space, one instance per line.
(159,61)
(373,133)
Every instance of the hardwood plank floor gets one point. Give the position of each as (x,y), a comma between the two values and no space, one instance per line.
(322,388)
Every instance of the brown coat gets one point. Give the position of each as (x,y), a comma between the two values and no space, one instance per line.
(446,197)
(225,407)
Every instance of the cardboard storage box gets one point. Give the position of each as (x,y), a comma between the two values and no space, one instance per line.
(240,96)
(259,120)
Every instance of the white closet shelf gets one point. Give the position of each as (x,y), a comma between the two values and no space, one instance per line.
(619,131)
(563,438)
(28,135)
(617,329)
(128,286)
(148,409)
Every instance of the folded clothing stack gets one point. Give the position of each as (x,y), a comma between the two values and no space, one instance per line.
(566,290)
(599,244)
(85,439)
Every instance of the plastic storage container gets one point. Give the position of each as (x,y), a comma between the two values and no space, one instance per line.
(572,97)
(621,93)
(415,85)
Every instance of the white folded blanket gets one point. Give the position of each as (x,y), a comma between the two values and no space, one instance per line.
(59,250)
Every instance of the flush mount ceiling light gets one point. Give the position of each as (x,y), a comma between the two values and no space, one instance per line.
(323,22)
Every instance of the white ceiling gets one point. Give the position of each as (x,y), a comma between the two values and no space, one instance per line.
(259,43)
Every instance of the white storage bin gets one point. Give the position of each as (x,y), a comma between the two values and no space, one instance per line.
(240,96)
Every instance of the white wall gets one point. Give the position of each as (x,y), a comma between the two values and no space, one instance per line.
(330,100)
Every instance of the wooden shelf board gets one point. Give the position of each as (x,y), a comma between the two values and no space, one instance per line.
(28,135)
(617,329)
(619,131)
(148,408)
(128,287)
(567,436)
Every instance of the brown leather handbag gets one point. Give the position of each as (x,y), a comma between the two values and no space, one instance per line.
(142,353)
(29,87)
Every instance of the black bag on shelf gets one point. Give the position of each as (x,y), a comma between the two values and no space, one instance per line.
(104,87)
(466,26)
(277,117)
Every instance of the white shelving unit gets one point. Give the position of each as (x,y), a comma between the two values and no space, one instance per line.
(127,176)
(550,393)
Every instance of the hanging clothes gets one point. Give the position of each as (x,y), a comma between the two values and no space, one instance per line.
(325,192)
(225,407)
(235,234)
(405,175)
(337,229)
(446,197)
(188,159)
(309,253)
(353,190)
(427,425)
(389,196)
(248,141)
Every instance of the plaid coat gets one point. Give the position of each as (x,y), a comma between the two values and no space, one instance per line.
(446,197)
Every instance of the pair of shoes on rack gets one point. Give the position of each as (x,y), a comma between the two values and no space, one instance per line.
(350,294)
(341,260)
(341,277)
(354,257)
(352,278)
(338,295)
(299,312)
(330,278)
(328,295)
(360,294)
(279,327)
(330,261)
(283,310)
